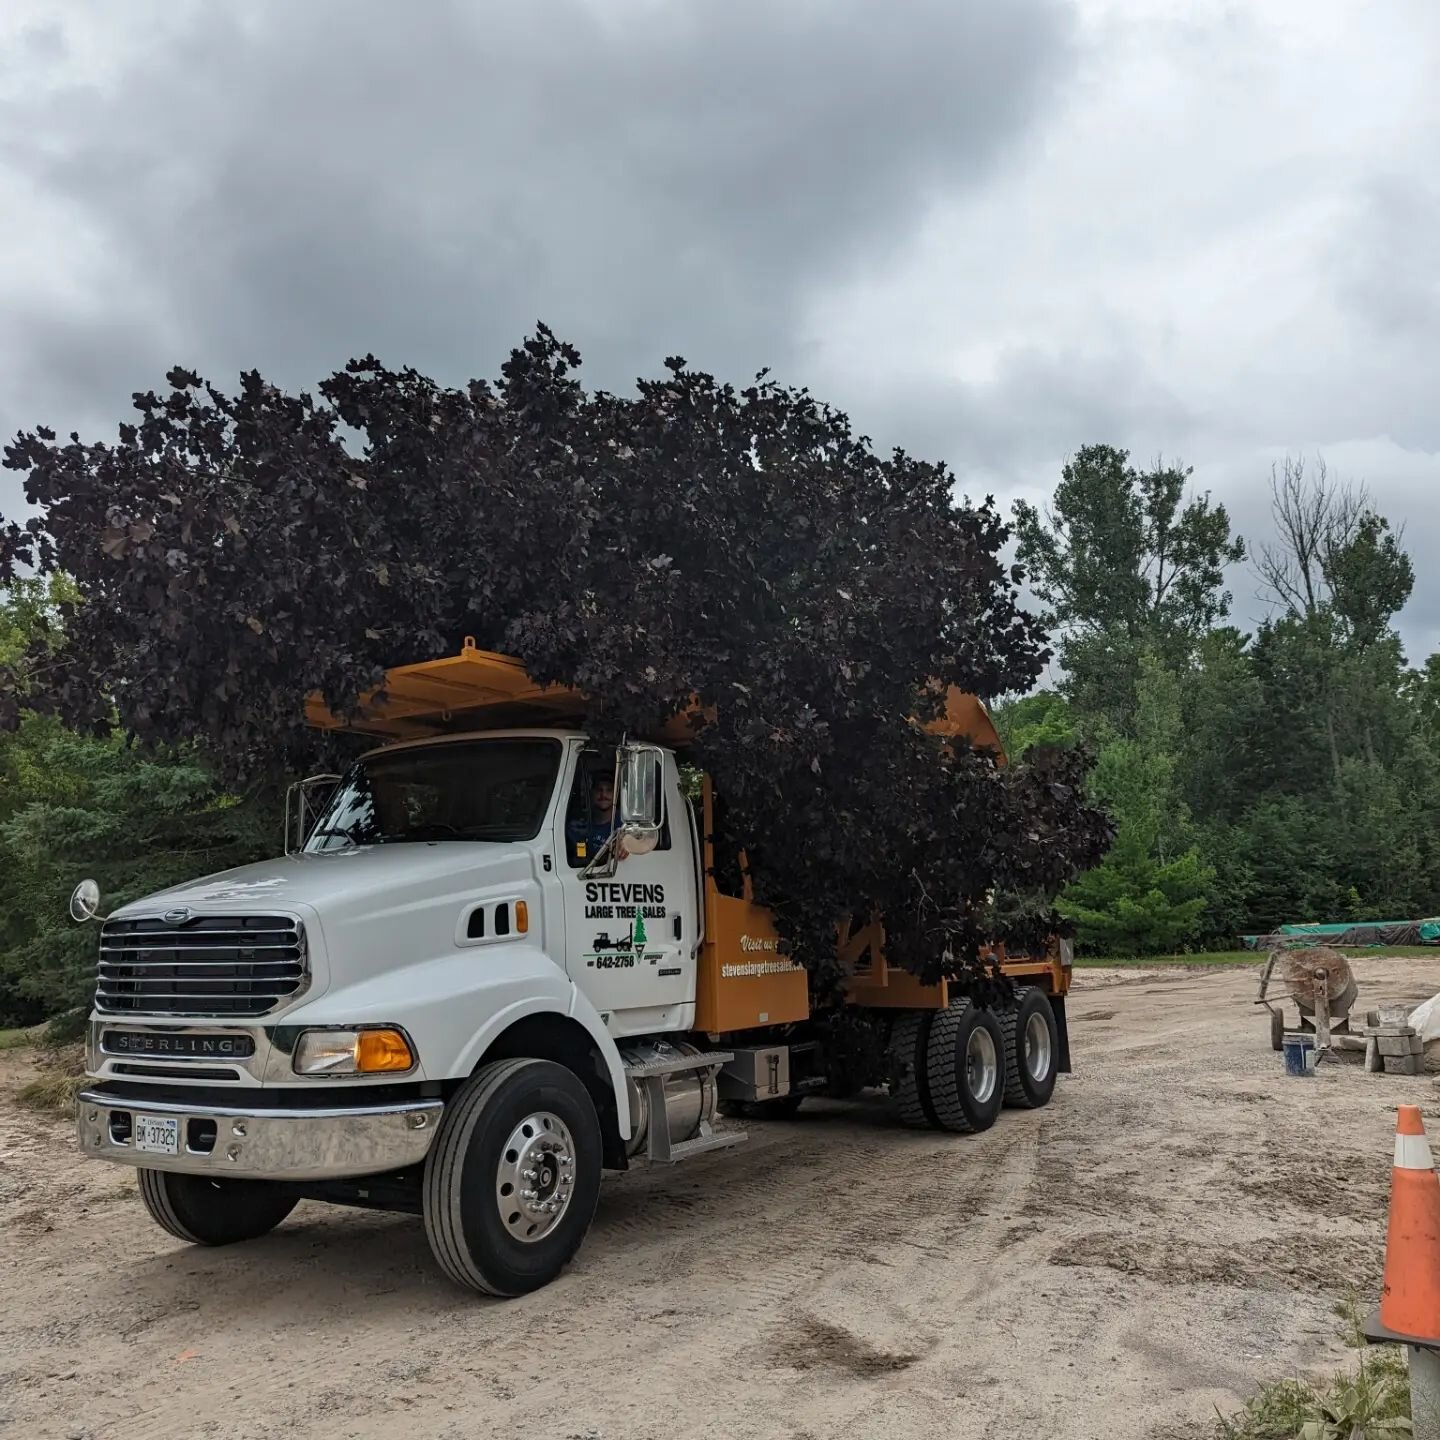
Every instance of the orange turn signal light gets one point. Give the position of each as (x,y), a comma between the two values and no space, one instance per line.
(379,1050)
(522,918)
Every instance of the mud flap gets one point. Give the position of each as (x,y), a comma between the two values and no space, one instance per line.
(1062,1034)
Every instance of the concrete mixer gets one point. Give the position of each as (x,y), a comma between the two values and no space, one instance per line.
(1320,982)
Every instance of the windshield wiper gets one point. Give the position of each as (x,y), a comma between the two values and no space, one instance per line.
(424,834)
(420,833)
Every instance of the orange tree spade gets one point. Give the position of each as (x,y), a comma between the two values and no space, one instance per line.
(234,552)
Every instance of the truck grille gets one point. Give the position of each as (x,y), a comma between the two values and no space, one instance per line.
(208,965)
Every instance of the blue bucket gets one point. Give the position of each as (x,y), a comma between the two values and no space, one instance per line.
(1299,1054)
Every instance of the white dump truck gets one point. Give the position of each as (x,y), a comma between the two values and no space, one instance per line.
(495,960)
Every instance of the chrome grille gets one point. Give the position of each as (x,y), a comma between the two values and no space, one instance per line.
(207,965)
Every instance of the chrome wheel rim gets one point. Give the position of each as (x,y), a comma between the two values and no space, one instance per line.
(981,1066)
(535,1179)
(1037,1047)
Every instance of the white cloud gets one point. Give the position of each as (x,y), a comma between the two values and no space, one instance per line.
(1220,244)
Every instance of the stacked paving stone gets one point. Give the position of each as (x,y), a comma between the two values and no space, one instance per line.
(1392,1045)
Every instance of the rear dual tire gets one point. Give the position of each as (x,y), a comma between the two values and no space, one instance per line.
(966,1062)
(909,1083)
(1032,1049)
(948,1068)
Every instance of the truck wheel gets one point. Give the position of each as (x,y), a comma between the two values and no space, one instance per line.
(1032,1048)
(909,1090)
(784,1107)
(513,1177)
(965,1068)
(1277,1030)
(203,1211)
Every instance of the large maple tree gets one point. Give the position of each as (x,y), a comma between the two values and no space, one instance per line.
(746,546)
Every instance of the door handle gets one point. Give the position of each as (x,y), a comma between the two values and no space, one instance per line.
(679,927)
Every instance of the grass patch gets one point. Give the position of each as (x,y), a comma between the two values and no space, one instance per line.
(51,1090)
(61,1073)
(54,1033)
(1140,962)
(1370,1402)
(1245,957)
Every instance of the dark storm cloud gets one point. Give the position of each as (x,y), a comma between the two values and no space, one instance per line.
(994,232)
(306,182)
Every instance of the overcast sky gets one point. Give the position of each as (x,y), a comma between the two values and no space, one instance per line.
(992,231)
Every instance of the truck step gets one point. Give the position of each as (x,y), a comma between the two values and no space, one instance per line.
(701,1144)
(706,1060)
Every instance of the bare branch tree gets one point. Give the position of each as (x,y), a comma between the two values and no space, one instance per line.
(1315,518)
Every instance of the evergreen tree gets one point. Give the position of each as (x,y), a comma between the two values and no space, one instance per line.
(1043,718)
(1149,892)
(73,806)
(1131,904)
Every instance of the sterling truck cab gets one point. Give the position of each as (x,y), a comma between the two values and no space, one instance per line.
(495,960)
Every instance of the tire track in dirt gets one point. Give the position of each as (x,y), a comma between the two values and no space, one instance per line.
(773,1291)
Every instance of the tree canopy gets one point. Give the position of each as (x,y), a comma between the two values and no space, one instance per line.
(1127,564)
(232,553)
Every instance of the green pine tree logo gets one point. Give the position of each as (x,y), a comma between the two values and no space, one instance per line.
(637,932)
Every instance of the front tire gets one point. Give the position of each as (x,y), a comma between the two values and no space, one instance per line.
(513,1177)
(202,1211)
(1032,1049)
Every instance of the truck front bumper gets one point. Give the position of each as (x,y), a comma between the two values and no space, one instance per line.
(251,1142)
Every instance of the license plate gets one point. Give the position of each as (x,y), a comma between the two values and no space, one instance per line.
(157,1135)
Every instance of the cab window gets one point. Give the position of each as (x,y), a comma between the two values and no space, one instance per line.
(593,808)
(496,790)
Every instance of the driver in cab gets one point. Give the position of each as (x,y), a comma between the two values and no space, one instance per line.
(588,832)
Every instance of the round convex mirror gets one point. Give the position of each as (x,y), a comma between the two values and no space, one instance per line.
(85,901)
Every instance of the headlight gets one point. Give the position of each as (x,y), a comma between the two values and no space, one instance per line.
(353,1052)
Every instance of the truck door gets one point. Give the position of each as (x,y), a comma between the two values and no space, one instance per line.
(630,936)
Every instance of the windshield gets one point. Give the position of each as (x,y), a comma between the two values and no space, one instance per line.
(462,790)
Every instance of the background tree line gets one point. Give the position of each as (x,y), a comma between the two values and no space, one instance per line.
(73,805)
(1292,773)
(1288,774)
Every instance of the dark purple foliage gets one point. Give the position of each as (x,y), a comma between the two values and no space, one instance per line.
(237,552)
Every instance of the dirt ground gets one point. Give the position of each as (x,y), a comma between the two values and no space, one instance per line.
(1179,1223)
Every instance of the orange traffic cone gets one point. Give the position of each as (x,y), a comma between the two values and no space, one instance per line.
(1410,1298)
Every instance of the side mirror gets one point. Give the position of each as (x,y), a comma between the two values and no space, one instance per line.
(85,902)
(302,809)
(641,767)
